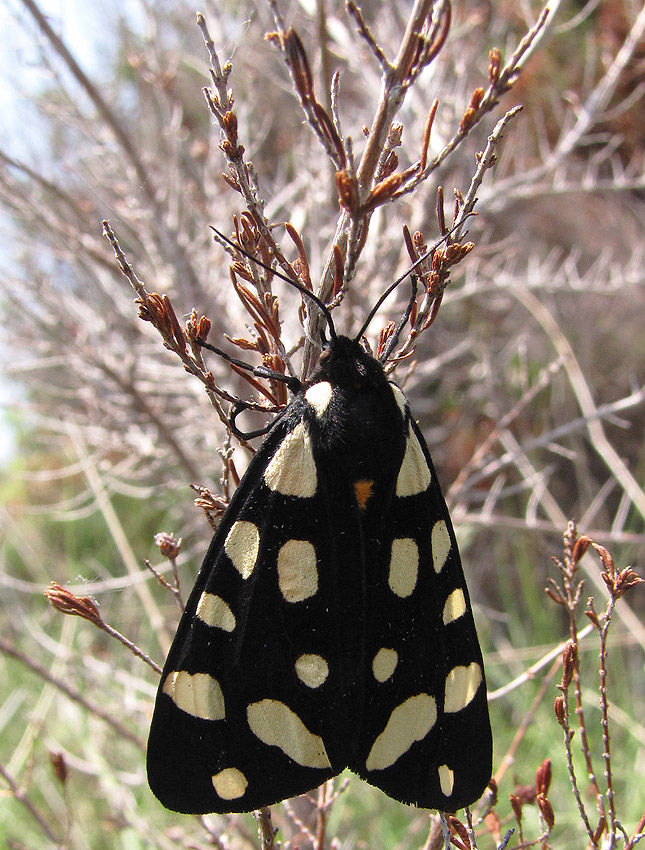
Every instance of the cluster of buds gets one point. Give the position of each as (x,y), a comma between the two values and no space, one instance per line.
(197,327)
(538,794)
(296,57)
(168,544)
(158,310)
(617,581)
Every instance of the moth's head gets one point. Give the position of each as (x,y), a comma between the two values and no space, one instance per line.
(345,363)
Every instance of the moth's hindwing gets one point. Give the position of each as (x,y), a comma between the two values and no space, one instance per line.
(330,624)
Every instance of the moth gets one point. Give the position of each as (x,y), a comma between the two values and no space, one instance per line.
(330,625)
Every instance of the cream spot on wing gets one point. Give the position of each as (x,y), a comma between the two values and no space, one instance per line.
(292,469)
(455,606)
(230,783)
(404,566)
(319,395)
(409,722)
(384,664)
(242,545)
(197,694)
(400,399)
(414,474)
(297,570)
(446,779)
(312,670)
(276,725)
(441,544)
(215,612)
(462,683)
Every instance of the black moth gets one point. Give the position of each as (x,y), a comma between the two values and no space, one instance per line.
(330,625)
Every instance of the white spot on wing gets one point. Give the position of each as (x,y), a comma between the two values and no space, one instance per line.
(197,694)
(404,566)
(292,469)
(215,612)
(446,779)
(242,545)
(414,474)
(276,725)
(441,544)
(297,570)
(312,670)
(400,399)
(455,606)
(462,683)
(384,664)
(409,722)
(319,395)
(230,783)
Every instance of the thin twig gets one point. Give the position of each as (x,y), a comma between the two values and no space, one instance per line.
(73,694)
(22,798)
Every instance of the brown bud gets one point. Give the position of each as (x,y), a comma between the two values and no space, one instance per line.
(580,547)
(241,342)
(516,806)
(558,708)
(168,544)
(557,599)
(546,809)
(57,761)
(426,135)
(569,661)
(476,98)
(390,164)
(203,327)
(67,603)
(299,64)
(177,330)
(543,777)
(467,120)
(232,182)
(230,126)
(590,612)
(605,557)
(382,192)
(457,827)
(347,190)
(494,65)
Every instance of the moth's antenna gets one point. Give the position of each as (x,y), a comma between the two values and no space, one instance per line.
(400,279)
(302,289)
(394,338)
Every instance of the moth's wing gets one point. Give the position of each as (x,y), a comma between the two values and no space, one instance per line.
(251,695)
(426,736)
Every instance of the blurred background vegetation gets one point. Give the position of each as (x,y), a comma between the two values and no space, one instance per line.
(529,387)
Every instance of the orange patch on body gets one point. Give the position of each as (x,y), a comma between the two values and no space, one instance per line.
(363,490)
